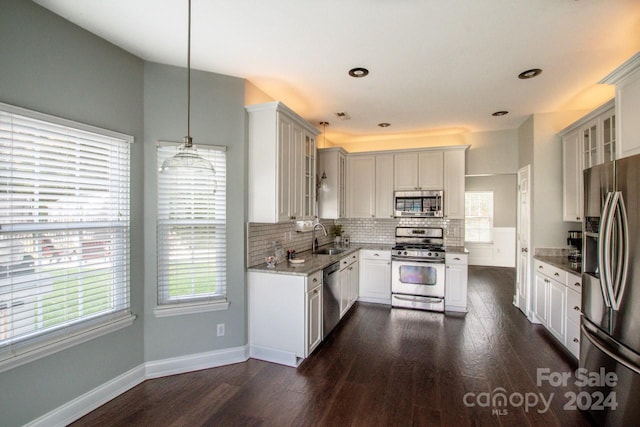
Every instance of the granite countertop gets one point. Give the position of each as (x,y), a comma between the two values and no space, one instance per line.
(561,262)
(314,262)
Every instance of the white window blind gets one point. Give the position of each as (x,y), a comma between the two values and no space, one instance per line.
(478,221)
(191,231)
(64,229)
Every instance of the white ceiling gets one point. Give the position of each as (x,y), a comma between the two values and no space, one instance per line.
(435,65)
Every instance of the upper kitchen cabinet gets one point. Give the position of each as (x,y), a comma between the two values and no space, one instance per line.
(332,195)
(282,164)
(454,169)
(419,171)
(370,186)
(587,142)
(627,109)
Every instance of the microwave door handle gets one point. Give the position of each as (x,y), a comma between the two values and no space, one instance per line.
(622,269)
(603,250)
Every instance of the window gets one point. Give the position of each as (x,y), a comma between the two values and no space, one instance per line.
(191,231)
(64,231)
(478,221)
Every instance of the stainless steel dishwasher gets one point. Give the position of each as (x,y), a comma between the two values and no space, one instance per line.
(330,298)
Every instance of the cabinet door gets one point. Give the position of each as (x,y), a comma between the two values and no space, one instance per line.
(286,152)
(607,125)
(361,186)
(454,165)
(345,290)
(589,136)
(297,188)
(456,287)
(309,191)
(342,185)
(375,280)
(384,186)
(354,274)
(314,319)
(405,171)
(541,290)
(572,177)
(430,170)
(557,309)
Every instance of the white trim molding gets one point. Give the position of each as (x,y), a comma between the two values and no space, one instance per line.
(82,405)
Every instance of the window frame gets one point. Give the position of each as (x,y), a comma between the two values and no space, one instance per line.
(490,217)
(40,344)
(188,305)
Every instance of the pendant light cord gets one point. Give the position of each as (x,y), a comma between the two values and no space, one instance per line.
(188,142)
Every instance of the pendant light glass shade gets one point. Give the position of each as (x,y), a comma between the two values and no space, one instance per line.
(187,157)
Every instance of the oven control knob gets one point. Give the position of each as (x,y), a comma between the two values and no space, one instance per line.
(429,254)
(405,252)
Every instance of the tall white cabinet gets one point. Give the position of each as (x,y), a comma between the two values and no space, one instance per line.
(282,164)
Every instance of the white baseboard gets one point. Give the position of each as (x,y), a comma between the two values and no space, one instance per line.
(82,405)
(195,362)
(280,357)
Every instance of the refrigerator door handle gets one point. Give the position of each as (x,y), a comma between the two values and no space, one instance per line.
(597,343)
(618,286)
(604,242)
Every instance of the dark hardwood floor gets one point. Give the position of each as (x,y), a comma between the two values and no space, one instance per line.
(379,367)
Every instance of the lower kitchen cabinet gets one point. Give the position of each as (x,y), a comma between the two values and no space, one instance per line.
(285,316)
(348,276)
(557,304)
(455,298)
(375,276)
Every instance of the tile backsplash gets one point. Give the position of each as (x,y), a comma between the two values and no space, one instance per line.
(260,236)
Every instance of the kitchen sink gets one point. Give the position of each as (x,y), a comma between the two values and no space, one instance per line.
(329,251)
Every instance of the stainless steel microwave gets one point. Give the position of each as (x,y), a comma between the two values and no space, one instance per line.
(418,204)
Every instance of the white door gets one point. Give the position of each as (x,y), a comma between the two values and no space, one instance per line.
(523,265)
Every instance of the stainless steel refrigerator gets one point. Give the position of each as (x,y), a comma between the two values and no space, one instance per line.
(610,328)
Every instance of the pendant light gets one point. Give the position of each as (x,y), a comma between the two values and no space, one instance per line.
(187,156)
(322,182)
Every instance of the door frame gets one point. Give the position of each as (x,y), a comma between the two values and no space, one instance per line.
(523,253)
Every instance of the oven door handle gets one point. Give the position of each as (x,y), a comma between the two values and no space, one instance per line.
(422,298)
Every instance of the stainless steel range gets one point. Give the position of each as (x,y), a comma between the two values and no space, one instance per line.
(417,268)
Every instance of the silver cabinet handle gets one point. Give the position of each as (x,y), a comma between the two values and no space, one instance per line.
(576,340)
(315,279)
(315,291)
(577,284)
(556,274)
(457,259)
(376,254)
(576,308)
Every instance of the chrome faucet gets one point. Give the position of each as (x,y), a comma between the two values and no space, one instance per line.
(314,241)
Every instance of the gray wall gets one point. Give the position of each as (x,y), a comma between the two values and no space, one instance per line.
(494,152)
(217,118)
(54,67)
(504,189)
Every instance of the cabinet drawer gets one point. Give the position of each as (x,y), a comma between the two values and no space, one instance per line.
(574,282)
(314,280)
(456,258)
(573,338)
(551,271)
(348,260)
(371,254)
(574,301)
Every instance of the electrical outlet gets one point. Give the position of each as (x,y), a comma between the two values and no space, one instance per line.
(220,329)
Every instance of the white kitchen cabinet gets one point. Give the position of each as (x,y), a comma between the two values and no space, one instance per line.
(361,183)
(541,298)
(285,316)
(348,277)
(384,186)
(455,298)
(282,163)
(454,170)
(627,109)
(370,186)
(572,198)
(557,304)
(556,319)
(421,170)
(332,196)
(375,276)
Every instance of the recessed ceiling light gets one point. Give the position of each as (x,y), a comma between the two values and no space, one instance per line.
(500,113)
(384,125)
(358,72)
(529,74)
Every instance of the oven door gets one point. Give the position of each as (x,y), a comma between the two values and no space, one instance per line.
(417,278)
